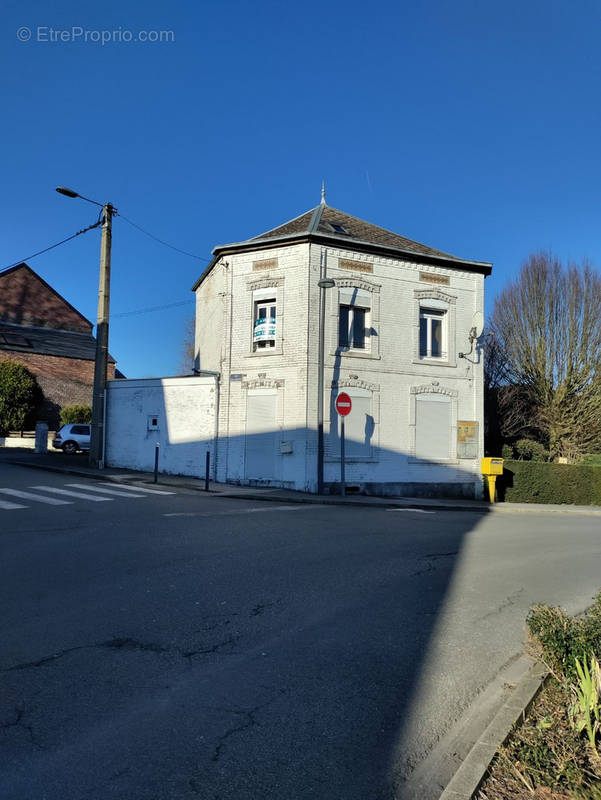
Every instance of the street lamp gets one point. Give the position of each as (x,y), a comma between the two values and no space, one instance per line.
(102,329)
(324,283)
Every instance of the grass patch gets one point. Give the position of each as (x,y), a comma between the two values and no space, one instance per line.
(556,753)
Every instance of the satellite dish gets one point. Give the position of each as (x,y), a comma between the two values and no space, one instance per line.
(478,324)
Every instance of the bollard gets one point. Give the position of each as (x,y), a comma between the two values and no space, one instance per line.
(156,462)
(207,469)
(41,437)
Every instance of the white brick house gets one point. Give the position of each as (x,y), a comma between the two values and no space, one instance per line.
(397,319)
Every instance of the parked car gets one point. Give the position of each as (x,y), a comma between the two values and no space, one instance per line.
(71,438)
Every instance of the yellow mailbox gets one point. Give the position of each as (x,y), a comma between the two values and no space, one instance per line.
(491,467)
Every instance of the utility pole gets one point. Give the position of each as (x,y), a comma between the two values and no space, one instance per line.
(102,340)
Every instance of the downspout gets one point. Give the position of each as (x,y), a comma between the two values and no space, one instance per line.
(216,376)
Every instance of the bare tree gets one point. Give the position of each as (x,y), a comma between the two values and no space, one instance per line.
(187,351)
(546,360)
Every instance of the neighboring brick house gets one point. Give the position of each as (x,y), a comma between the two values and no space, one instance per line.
(46,333)
(397,319)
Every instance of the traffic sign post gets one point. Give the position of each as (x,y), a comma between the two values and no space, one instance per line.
(343,407)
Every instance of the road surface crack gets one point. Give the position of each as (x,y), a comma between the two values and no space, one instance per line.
(213,649)
(17,722)
(249,722)
(509,601)
(430,559)
(116,643)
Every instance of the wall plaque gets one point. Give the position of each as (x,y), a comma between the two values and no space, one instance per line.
(430,277)
(265,263)
(358,266)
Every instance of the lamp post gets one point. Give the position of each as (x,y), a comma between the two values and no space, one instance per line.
(324,283)
(102,329)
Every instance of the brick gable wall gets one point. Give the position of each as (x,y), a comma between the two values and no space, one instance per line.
(25,299)
(64,381)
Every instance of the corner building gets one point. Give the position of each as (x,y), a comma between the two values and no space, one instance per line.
(397,319)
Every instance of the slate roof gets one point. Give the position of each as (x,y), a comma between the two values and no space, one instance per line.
(48,342)
(323,218)
(331,226)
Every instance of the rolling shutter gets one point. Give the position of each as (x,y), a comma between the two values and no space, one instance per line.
(261,434)
(433,427)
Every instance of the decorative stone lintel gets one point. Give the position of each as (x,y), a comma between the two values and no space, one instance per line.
(358,283)
(429,389)
(264,283)
(355,384)
(435,294)
(262,383)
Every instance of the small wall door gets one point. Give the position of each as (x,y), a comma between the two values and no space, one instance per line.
(261,434)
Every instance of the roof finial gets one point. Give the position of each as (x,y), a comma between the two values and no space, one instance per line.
(323,193)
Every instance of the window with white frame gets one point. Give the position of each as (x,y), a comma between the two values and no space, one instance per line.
(354,319)
(433,427)
(264,324)
(433,333)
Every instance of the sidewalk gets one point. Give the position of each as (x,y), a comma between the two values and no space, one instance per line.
(78,465)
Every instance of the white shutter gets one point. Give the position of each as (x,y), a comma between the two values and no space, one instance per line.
(349,296)
(433,427)
(358,427)
(261,434)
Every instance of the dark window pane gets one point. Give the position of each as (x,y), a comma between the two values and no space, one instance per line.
(423,337)
(436,337)
(343,339)
(359,328)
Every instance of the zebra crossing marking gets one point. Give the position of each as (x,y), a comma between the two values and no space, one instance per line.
(68,493)
(51,501)
(103,491)
(140,489)
(8,506)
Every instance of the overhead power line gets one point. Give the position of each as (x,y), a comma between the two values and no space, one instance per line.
(160,241)
(153,308)
(52,246)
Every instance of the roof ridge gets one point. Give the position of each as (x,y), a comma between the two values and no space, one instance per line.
(316,218)
(281,225)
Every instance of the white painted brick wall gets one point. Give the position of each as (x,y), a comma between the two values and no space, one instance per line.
(185,408)
(226,346)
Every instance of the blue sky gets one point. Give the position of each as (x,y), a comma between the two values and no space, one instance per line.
(471,126)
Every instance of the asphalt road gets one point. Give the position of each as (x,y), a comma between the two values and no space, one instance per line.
(184,646)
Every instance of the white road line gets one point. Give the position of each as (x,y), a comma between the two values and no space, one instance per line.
(51,501)
(103,491)
(8,506)
(413,510)
(128,488)
(81,495)
(295,507)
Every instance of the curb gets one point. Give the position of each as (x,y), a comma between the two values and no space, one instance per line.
(469,777)
(496,508)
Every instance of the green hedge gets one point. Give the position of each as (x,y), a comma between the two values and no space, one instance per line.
(539,482)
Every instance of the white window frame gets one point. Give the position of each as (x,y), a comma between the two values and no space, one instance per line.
(261,291)
(352,309)
(355,293)
(435,300)
(268,303)
(430,314)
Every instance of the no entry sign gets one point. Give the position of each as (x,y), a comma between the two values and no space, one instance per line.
(343,404)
